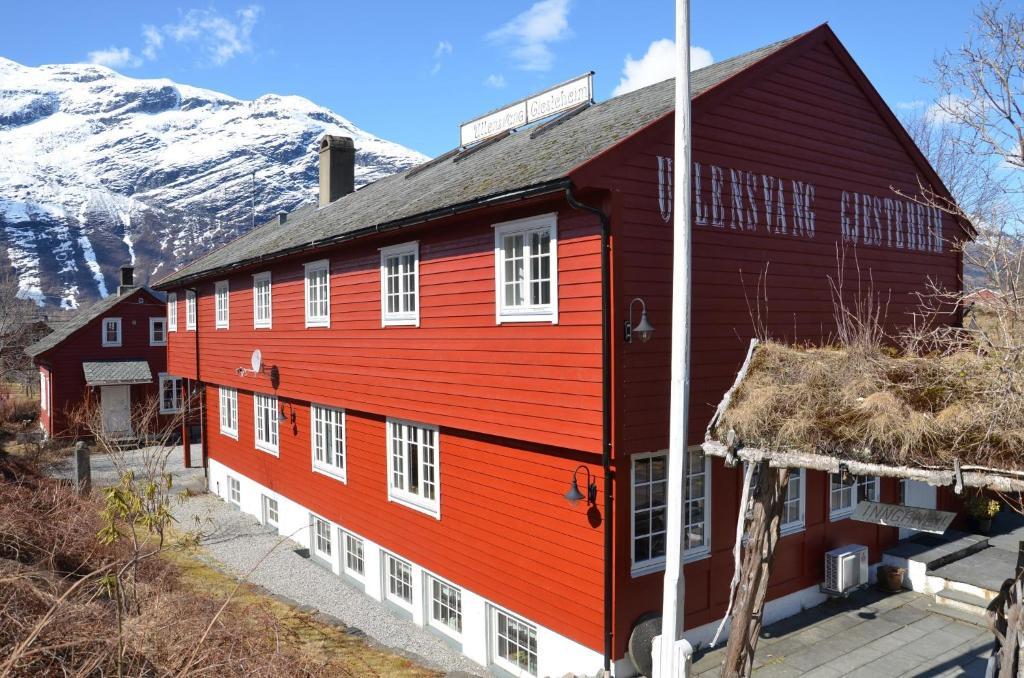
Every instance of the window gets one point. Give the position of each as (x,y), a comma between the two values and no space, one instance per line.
(234,491)
(328,431)
(515,644)
(318,294)
(526,269)
(157,332)
(650,484)
(270,514)
(844,496)
(261,301)
(412,466)
(44,391)
(111,332)
(399,284)
(171,394)
(222,318)
(265,408)
(190,310)
(229,412)
(445,607)
(793,510)
(354,563)
(321,537)
(172,312)
(399,581)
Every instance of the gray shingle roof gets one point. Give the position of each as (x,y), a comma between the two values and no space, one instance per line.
(117,372)
(520,161)
(69,326)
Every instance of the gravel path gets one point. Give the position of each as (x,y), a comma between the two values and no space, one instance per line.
(236,543)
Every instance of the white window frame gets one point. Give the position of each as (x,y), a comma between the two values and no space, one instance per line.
(234,491)
(493,643)
(172,311)
(190,311)
(180,392)
(264,405)
(222,305)
(229,406)
(323,265)
(152,327)
(348,538)
(259,322)
(854,490)
(402,495)
(429,582)
(315,522)
(265,501)
(798,524)
(323,422)
(527,312)
(386,561)
(44,390)
(657,564)
(107,343)
(401,317)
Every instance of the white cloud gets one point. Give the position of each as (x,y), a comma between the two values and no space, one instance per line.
(221,38)
(530,34)
(115,57)
(154,41)
(910,105)
(659,63)
(497,81)
(443,49)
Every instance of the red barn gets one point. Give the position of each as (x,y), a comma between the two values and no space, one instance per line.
(443,353)
(115,351)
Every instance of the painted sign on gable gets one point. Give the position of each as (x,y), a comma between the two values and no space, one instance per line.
(907,517)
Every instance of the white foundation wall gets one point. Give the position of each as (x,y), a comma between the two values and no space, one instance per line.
(556,654)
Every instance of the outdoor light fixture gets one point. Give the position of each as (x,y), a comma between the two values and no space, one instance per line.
(574,496)
(644,329)
(844,473)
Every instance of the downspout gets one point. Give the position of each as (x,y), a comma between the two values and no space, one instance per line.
(202,391)
(606,413)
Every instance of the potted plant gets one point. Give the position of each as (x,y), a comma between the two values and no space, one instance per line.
(982,510)
(890,578)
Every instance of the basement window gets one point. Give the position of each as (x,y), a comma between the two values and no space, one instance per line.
(190,310)
(229,412)
(399,284)
(234,491)
(413,466)
(398,576)
(318,294)
(322,543)
(261,301)
(354,560)
(526,269)
(111,332)
(445,607)
(221,298)
(172,312)
(513,644)
(271,517)
(265,409)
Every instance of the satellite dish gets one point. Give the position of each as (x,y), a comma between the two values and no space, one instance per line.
(257,360)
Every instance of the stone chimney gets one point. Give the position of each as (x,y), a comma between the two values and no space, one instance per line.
(337,168)
(127,280)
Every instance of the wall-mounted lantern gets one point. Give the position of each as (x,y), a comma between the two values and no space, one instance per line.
(574,496)
(644,329)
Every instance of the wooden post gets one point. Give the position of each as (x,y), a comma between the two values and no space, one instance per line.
(768,499)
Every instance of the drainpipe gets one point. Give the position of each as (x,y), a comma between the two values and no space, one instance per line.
(202,391)
(606,413)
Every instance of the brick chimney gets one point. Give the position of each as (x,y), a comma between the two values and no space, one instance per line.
(337,168)
(127,280)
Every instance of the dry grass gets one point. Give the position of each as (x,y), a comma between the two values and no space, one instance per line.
(56,617)
(872,403)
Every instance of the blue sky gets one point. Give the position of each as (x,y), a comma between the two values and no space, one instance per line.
(412,71)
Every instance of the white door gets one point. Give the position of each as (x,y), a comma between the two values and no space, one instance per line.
(921,495)
(115,402)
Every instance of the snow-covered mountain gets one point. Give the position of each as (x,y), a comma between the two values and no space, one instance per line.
(98,169)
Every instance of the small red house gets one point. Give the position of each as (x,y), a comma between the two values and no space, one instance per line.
(444,355)
(116,352)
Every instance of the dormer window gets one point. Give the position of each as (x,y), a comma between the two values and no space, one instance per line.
(526,269)
(111,332)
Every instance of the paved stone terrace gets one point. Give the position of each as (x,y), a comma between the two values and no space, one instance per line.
(869,635)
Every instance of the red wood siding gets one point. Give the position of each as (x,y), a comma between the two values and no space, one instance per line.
(505,532)
(64,361)
(534,382)
(805,121)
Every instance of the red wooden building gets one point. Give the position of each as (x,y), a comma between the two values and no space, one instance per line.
(114,351)
(443,352)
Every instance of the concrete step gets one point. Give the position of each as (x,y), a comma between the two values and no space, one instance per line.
(962,601)
(935,551)
(985,570)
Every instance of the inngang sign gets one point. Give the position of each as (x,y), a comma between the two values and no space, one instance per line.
(749,201)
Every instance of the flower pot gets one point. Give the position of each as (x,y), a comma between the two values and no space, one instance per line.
(890,578)
(983,525)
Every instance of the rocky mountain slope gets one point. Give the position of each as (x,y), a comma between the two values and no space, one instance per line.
(98,170)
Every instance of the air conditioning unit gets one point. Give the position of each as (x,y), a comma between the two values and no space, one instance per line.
(846,569)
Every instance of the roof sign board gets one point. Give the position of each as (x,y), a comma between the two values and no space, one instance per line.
(557,99)
(907,517)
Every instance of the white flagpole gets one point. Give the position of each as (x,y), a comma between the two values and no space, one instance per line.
(671,661)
